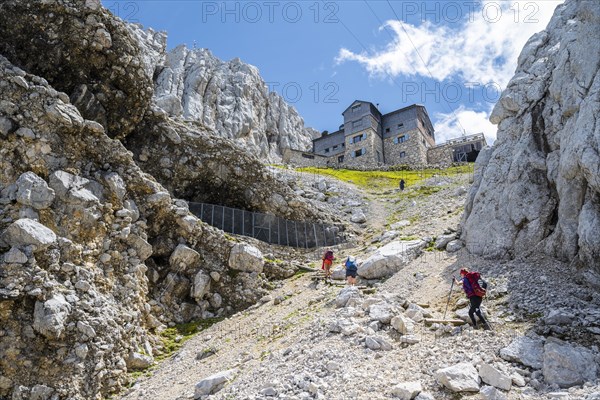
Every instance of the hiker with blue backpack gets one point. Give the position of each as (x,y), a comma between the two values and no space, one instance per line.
(351,270)
(474,287)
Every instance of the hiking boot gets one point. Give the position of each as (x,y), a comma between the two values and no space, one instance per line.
(486,327)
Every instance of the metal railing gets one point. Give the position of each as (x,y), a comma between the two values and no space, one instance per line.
(266,227)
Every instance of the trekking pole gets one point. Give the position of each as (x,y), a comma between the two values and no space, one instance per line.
(449,295)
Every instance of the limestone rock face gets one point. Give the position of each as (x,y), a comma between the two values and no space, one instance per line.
(83,51)
(90,270)
(231,99)
(538,187)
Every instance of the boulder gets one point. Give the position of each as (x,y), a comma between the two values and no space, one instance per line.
(346,294)
(139,361)
(358,217)
(443,240)
(116,185)
(72,188)
(26,232)
(558,317)
(493,376)
(184,257)
(50,317)
(390,259)
(244,257)
(491,393)
(407,390)
(214,383)
(381,312)
(15,256)
(142,248)
(201,286)
(33,191)
(402,324)
(454,246)
(525,350)
(377,343)
(566,365)
(461,377)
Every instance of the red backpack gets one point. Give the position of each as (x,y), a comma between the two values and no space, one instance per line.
(478,289)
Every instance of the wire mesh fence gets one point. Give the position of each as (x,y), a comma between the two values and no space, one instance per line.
(267,228)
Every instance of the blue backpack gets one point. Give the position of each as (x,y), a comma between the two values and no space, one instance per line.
(351,264)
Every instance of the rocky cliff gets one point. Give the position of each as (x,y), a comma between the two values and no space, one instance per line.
(96,256)
(231,99)
(538,188)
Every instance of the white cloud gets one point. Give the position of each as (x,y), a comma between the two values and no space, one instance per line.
(449,126)
(483,48)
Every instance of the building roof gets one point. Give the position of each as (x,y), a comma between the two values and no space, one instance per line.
(328,135)
(374,109)
(403,109)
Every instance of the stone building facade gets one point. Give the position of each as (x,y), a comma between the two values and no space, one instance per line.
(369,139)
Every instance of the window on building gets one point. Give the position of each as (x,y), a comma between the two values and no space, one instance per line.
(341,159)
(387,130)
(402,154)
(327,150)
(401,139)
(400,125)
(358,152)
(344,144)
(359,138)
(356,124)
(356,108)
(309,156)
(335,146)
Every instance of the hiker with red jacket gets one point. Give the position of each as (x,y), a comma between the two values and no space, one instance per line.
(327,262)
(475,293)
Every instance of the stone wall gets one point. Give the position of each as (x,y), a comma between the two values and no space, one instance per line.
(413,148)
(371,145)
(439,155)
(299,158)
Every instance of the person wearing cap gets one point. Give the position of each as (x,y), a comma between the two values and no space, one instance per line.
(474,299)
(351,270)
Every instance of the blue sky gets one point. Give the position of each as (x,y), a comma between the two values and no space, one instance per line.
(452,56)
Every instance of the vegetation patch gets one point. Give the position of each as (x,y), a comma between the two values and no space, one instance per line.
(380,180)
(173,338)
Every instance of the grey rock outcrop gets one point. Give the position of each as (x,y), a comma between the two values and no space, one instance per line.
(231,99)
(525,350)
(83,51)
(566,365)
(91,272)
(538,187)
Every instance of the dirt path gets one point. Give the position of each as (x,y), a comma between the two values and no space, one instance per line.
(247,340)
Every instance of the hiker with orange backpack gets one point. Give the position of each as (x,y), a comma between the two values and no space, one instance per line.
(327,262)
(475,293)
